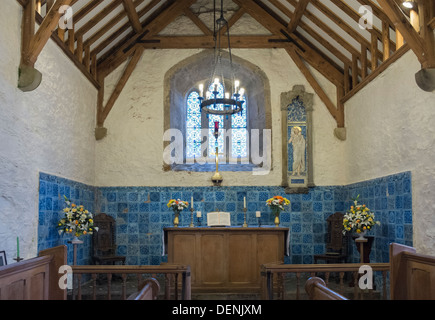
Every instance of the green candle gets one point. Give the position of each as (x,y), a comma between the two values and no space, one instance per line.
(18,247)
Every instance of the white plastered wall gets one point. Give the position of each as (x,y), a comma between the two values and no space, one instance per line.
(50,129)
(390,129)
(132,152)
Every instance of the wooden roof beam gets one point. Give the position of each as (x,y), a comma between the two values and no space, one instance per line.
(130,9)
(122,51)
(35,43)
(312,56)
(410,35)
(297,15)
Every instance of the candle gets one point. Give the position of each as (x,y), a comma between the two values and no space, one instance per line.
(191,201)
(244,202)
(241,92)
(258,214)
(216,83)
(18,247)
(198,214)
(236,85)
(201,89)
(216,126)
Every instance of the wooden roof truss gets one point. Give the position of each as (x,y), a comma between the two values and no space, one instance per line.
(319,34)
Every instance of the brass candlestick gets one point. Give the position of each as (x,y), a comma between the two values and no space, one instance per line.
(244,216)
(191,218)
(217,177)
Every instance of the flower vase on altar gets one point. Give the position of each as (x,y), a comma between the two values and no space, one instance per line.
(176,218)
(277,204)
(177,206)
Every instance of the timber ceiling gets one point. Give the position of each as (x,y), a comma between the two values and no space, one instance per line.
(324,34)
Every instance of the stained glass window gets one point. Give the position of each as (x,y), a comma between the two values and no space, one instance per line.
(193,126)
(237,123)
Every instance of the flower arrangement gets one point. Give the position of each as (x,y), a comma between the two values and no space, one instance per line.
(77,221)
(277,203)
(177,205)
(359,218)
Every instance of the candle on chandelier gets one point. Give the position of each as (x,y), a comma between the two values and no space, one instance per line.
(216,126)
(236,85)
(201,90)
(216,83)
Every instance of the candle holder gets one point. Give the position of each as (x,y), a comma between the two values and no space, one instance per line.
(244,217)
(259,221)
(18,259)
(191,218)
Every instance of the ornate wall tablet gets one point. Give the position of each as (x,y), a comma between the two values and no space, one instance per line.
(296,109)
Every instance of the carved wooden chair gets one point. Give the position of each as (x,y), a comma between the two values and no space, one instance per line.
(336,243)
(103,241)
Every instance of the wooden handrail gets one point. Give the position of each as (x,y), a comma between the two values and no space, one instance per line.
(180,273)
(269,270)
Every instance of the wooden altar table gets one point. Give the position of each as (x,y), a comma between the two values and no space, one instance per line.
(226,259)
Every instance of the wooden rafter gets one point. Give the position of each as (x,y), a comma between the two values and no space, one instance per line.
(130,8)
(313,57)
(421,49)
(297,15)
(123,50)
(103,112)
(34,43)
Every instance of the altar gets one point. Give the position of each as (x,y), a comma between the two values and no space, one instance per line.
(226,259)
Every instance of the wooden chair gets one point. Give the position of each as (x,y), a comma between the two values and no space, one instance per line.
(337,243)
(103,241)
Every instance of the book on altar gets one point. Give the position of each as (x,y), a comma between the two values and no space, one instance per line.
(218,219)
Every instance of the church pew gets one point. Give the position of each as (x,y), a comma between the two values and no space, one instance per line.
(317,290)
(149,291)
(34,279)
(412,275)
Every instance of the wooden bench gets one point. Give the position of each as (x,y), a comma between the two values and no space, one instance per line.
(36,278)
(412,275)
(150,291)
(317,290)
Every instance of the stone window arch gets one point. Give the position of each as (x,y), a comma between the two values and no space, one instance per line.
(184,78)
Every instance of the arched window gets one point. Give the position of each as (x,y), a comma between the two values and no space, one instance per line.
(233,129)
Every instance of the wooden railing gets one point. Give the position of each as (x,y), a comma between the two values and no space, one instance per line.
(273,276)
(177,280)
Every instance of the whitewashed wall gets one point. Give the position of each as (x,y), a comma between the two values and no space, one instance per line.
(132,152)
(390,129)
(50,129)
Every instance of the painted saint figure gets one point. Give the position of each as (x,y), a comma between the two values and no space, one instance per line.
(298,141)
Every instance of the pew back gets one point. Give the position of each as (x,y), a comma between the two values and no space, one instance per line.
(317,290)
(412,275)
(34,279)
(149,291)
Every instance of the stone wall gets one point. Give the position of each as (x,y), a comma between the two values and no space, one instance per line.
(50,129)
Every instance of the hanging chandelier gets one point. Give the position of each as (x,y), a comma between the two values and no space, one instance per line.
(230,101)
